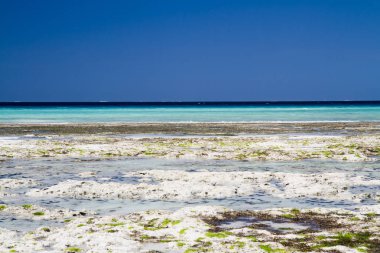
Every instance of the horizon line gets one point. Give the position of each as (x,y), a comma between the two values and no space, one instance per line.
(5,103)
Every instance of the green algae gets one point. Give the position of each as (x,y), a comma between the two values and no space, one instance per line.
(152,226)
(288,216)
(252,238)
(73,250)
(295,211)
(166,222)
(145,237)
(39,213)
(241,156)
(348,239)
(240,244)
(327,153)
(2,207)
(199,239)
(371,215)
(46,229)
(222,234)
(27,206)
(361,249)
(116,224)
(183,231)
(180,244)
(190,250)
(165,240)
(267,248)
(320,237)
(149,152)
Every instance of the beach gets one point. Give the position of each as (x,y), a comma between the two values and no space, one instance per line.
(190,187)
(190,126)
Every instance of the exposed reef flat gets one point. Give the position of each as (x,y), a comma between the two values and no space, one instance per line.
(358,147)
(182,185)
(205,229)
(65,188)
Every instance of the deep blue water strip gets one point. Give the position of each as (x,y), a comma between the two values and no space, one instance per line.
(201,103)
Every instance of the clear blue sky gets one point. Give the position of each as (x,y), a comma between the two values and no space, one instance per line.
(189,50)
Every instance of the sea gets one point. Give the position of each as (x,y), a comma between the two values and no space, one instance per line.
(123,112)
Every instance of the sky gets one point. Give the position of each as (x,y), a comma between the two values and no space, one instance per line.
(189,50)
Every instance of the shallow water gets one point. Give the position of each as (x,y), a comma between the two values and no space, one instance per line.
(277,225)
(194,113)
(49,172)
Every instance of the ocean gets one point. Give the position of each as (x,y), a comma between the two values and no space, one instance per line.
(189,112)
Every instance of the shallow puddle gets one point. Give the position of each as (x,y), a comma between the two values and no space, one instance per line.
(274,226)
(25,225)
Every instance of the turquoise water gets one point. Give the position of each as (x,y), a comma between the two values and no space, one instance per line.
(114,114)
